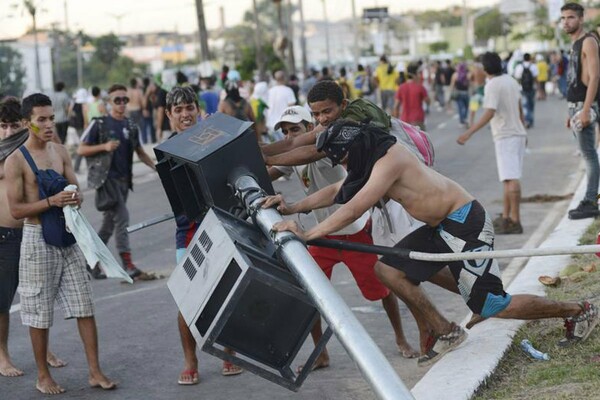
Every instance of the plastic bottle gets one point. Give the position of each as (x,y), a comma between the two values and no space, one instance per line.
(528,348)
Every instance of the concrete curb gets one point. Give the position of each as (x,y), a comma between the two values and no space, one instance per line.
(460,373)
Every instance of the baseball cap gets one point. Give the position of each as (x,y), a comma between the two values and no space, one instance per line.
(294,115)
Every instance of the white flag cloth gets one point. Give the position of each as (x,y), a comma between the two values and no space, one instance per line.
(90,244)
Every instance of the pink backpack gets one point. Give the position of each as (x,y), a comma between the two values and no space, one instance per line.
(416,140)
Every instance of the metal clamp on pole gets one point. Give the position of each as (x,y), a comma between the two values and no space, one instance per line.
(364,352)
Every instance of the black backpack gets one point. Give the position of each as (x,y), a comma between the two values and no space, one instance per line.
(527,79)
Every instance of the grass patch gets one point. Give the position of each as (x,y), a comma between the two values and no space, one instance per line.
(570,373)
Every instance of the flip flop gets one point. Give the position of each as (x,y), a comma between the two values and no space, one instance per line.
(193,373)
(230,369)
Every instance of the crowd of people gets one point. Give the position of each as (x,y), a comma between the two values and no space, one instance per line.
(333,131)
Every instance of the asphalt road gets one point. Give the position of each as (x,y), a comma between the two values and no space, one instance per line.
(139,342)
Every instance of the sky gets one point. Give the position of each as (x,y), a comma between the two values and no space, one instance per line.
(98,17)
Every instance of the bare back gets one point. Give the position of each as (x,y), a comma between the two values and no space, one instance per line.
(136,99)
(423,192)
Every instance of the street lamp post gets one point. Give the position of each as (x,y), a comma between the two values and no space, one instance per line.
(326,33)
(202,32)
(32,9)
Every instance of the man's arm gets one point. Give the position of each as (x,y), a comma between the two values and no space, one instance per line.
(69,173)
(488,114)
(286,145)
(274,173)
(322,198)
(144,157)
(87,149)
(377,186)
(590,49)
(160,116)
(298,156)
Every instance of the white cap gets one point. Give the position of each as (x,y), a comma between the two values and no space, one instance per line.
(294,114)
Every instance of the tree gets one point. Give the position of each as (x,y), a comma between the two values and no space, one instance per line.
(108,48)
(12,72)
(247,64)
(491,25)
(443,17)
(439,47)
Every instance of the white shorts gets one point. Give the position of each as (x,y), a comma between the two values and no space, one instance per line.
(509,157)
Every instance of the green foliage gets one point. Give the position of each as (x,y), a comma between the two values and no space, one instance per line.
(468,53)
(444,17)
(108,47)
(490,25)
(12,72)
(267,15)
(439,47)
(247,64)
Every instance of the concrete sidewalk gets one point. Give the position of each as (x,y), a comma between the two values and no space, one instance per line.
(460,373)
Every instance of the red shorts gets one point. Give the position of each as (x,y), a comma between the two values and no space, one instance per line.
(360,264)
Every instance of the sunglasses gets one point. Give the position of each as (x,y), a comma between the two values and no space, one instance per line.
(120,100)
(14,125)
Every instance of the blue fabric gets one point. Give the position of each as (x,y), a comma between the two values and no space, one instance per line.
(529,106)
(461,214)
(494,304)
(211,99)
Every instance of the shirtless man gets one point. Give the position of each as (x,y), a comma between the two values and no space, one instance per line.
(455,222)
(295,121)
(10,236)
(46,272)
(136,101)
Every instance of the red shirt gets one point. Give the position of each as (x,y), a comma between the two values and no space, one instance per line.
(411,96)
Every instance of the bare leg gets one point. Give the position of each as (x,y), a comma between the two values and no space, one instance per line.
(7,368)
(528,306)
(505,200)
(428,318)
(514,199)
(188,343)
(322,360)
(89,337)
(39,342)
(445,280)
(390,304)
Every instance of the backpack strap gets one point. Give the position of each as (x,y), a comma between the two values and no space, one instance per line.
(34,168)
(29,159)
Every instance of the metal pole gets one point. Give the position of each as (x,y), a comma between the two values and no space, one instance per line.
(79,61)
(260,57)
(303,41)
(290,34)
(38,74)
(326,33)
(360,347)
(355,27)
(202,32)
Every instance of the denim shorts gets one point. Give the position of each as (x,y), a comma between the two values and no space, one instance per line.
(10,247)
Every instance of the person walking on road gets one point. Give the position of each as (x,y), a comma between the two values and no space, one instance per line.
(527,73)
(583,77)
(52,267)
(109,144)
(502,105)
(409,100)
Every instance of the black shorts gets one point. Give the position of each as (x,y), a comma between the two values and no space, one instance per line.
(467,229)
(10,247)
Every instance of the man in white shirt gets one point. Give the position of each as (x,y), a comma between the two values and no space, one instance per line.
(502,108)
(280,97)
(526,73)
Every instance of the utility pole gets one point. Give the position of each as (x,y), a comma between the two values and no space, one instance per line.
(303,40)
(290,33)
(465,24)
(260,57)
(326,33)
(79,43)
(66,16)
(57,50)
(32,9)
(203,34)
(355,28)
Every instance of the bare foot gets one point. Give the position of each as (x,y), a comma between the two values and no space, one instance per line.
(54,361)
(49,386)
(101,381)
(8,369)
(321,362)
(407,351)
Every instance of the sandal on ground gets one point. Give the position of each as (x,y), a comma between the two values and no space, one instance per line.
(230,369)
(189,373)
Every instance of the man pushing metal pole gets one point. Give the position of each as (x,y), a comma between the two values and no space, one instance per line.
(368,357)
